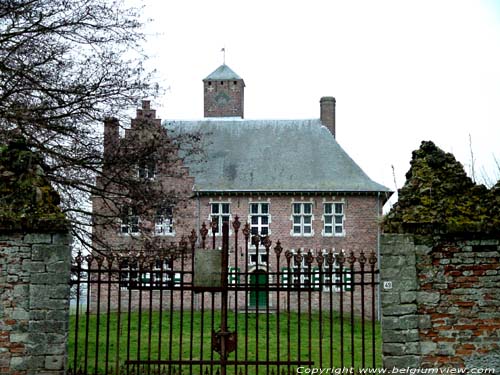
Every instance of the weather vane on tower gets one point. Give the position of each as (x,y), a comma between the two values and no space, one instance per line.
(223,50)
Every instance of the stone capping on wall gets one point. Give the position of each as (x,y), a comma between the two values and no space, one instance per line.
(442,309)
(35,272)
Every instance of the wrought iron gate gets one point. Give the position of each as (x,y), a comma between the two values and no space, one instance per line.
(250,308)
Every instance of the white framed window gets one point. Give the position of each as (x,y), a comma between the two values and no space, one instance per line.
(160,276)
(146,170)
(302,219)
(333,278)
(233,276)
(220,213)
(259,218)
(301,274)
(253,260)
(336,278)
(333,219)
(164,221)
(129,220)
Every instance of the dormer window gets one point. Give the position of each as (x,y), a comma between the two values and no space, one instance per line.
(210,83)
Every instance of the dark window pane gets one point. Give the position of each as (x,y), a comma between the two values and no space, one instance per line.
(264,231)
(328,208)
(338,208)
(264,208)
(296,208)
(255,220)
(307,208)
(264,220)
(215,208)
(254,208)
(225,208)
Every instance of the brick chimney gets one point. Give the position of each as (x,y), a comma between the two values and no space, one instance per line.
(327,116)
(111,136)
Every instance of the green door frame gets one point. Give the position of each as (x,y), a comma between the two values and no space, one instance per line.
(258,277)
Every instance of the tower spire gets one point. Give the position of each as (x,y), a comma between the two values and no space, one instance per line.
(223,50)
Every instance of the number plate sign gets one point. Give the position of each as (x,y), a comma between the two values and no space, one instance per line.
(207,269)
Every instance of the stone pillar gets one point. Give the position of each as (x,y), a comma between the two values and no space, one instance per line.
(400,322)
(34,302)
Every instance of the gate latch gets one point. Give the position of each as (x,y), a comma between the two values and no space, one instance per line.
(230,341)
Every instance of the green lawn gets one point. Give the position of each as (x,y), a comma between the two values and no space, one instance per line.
(118,346)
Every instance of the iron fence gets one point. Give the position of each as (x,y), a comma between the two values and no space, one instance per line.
(193,310)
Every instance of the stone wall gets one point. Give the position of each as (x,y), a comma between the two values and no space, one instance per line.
(34,302)
(443,307)
(400,322)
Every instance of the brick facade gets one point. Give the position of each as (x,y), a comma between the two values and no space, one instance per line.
(361,214)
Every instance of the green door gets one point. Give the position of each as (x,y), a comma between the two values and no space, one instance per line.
(258,296)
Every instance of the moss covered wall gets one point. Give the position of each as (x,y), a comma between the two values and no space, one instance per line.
(27,200)
(438,197)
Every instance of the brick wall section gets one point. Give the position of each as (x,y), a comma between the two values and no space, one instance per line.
(34,303)
(459,294)
(449,314)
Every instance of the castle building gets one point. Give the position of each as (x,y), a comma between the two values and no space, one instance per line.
(289,179)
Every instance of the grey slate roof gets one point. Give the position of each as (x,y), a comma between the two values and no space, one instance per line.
(271,155)
(223,72)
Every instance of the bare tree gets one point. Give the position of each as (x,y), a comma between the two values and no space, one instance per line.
(66,65)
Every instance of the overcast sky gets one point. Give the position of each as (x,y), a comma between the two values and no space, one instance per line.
(401,71)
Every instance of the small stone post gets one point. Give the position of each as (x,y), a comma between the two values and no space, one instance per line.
(400,322)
